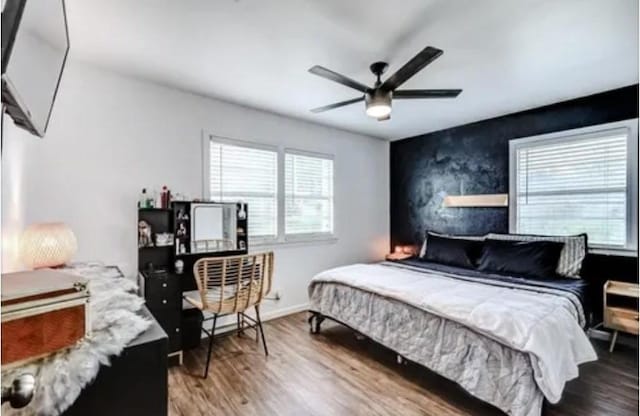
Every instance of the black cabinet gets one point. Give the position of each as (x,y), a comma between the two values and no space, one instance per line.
(191,324)
(159,285)
(161,291)
(135,383)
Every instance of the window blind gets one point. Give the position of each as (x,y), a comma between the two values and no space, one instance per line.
(572,186)
(247,174)
(308,194)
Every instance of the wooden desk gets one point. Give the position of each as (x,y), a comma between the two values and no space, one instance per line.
(620,318)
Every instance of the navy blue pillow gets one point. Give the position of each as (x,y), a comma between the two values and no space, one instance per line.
(538,259)
(458,252)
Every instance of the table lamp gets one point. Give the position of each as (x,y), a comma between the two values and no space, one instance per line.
(401,253)
(47,245)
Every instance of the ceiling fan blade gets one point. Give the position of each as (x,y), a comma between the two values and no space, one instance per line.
(336,105)
(385,118)
(426,93)
(424,58)
(341,79)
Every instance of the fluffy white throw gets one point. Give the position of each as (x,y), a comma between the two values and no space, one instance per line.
(61,377)
(543,325)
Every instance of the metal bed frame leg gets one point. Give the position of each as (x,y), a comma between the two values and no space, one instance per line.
(240,324)
(264,342)
(213,331)
(614,338)
(315,320)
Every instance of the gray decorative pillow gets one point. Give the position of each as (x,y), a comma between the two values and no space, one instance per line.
(571,256)
(423,249)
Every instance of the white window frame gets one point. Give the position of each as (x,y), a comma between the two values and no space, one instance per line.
(631,127)
(206,191)
(281,238)
(309,236)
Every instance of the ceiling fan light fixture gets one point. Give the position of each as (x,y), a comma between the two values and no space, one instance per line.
(378,104)
(378,111)
(378,98)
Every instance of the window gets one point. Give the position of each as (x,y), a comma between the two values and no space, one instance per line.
(289,192)
(308,194)
(249,174)
(581,181)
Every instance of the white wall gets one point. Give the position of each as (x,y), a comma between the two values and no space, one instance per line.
(111,135)
(17,169)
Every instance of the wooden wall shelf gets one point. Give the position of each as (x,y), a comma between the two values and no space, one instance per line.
(474,201)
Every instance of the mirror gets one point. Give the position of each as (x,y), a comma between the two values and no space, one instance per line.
(213,227)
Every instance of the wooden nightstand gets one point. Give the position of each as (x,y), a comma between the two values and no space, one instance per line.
(620,318)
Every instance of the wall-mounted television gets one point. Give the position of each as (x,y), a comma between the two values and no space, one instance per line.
(35,44)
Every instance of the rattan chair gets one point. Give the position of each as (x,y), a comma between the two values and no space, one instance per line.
(231,285)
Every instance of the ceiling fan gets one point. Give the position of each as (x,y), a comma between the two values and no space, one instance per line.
(378,98)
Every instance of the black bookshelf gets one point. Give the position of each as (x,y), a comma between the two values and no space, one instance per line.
(188,257)
(155,257)
(168,220)
(159,282)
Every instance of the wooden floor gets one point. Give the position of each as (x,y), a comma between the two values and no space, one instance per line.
(334,373)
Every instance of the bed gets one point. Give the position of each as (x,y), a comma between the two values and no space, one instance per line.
(511,341)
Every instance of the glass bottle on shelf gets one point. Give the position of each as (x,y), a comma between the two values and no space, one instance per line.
(142,200)
(242,213)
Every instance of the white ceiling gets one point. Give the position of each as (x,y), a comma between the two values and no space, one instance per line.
(507,55)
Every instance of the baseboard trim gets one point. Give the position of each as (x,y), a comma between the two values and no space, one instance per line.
(279,313)
(599,334)
(606,336)
(268,316)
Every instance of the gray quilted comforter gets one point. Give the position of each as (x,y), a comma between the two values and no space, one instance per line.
(488,369)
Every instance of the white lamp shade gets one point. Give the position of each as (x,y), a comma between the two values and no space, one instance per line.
(378,103)
(47,245)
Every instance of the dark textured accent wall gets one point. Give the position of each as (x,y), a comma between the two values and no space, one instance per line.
(474,159)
